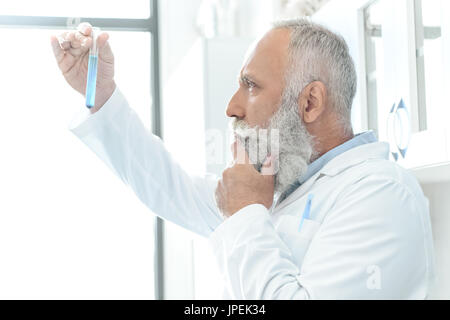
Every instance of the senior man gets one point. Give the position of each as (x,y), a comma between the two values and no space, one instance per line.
(335,220)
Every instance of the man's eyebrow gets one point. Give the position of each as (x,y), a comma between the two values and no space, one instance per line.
(246,77)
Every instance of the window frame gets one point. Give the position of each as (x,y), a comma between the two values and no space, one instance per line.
(118,24)
(420,34)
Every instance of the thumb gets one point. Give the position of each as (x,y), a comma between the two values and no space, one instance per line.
(267,168)
(102,39)
(104,49)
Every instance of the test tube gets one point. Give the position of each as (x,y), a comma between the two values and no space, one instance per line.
(92,70)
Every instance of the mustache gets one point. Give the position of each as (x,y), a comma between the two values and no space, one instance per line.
(241,128)
(241,131)
(239,125)
(244,133)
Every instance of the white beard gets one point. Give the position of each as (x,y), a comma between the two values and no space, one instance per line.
(294,149)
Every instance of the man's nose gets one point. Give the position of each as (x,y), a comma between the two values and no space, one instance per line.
(235,108)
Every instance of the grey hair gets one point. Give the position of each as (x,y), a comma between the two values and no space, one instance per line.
(318,54)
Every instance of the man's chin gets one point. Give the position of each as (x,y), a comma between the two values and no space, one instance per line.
(290,170)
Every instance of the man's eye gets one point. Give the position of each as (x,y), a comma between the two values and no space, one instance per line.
(247,83)
(250,84)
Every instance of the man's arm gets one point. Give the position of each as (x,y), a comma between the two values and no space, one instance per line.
(375,232)
(117,135)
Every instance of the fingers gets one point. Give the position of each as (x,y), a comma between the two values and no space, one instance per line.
(268,167)
(65,62)
(57,50)
(63,40)
(85,28)
(79,43)
(74,42)
(79,40)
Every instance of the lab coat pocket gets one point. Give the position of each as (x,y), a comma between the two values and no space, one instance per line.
(296,238)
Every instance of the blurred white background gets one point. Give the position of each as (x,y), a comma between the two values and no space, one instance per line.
(68,227)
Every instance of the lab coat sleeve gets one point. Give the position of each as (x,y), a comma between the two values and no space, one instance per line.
(119,138)
(255,261)
(371,245)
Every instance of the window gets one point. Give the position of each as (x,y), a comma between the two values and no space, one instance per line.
(430,53)
(80,8)
(69,229)
(405,46)
(374,64)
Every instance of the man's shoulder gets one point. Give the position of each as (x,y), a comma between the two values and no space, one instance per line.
(387,171)
(378,188)
(367,165)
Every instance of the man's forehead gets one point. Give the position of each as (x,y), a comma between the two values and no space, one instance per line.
(268,57)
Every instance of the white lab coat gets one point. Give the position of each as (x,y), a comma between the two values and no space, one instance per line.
(368,236)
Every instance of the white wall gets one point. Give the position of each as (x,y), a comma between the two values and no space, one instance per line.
(437,194)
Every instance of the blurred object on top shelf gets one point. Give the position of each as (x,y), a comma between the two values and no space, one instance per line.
(299,8)
(248,18)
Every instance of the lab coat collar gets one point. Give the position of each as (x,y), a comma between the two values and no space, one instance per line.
(318,164)
(355,156)
(342,162)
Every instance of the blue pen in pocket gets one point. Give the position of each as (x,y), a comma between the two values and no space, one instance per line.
(306,212)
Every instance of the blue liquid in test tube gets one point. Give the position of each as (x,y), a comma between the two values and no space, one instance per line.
(92,70)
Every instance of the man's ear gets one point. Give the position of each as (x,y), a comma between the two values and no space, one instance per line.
(312,101)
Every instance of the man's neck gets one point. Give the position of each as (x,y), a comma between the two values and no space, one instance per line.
(330,141)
